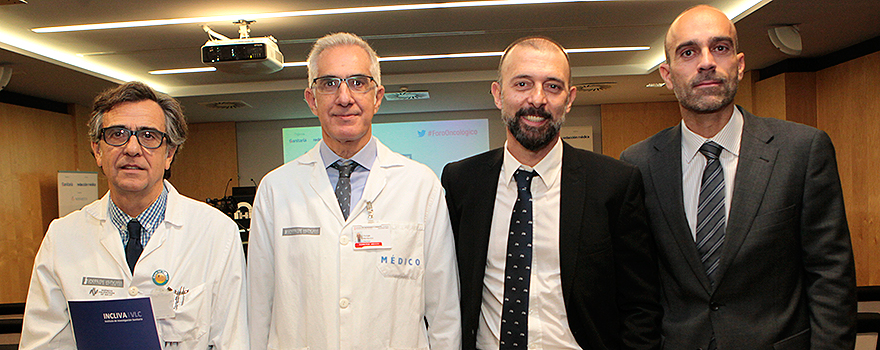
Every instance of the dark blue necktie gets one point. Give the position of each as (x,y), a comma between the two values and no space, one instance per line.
(515,307)
(134,248)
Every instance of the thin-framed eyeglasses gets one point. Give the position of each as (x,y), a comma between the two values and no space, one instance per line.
(119,136)
(356,83)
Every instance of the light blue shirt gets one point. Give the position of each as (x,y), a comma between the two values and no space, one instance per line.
(365,159)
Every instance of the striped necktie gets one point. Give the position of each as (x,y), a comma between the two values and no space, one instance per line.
(711,220)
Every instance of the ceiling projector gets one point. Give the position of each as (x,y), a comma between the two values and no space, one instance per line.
(243,56)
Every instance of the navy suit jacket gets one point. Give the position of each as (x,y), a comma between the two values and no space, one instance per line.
(786,278)
(607,257)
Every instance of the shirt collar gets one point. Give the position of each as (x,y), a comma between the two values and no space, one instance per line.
(149,219)
(365,157)
(729,137)
(548,168)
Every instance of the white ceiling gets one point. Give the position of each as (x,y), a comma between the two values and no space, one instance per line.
(72,67)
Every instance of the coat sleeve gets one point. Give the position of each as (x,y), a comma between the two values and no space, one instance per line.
(229,329)
(261,271)
(46,320)
(441,275)
(827,252)
(637,271)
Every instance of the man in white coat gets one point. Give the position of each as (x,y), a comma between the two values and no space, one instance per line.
(350,244)
(142,238)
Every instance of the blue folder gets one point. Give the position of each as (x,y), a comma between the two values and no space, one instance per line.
(114,324)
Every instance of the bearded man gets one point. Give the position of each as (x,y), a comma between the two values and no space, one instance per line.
(552,242)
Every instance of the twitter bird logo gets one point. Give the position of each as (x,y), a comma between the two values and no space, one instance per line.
(421,133)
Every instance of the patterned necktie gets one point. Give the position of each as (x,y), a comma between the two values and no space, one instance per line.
(343,186)
(710,212)
(133,249)
(515,308)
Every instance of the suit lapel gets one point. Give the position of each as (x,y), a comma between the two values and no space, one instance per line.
(320,183)
(573,194)
(485,181)
(754,167)
(665,169)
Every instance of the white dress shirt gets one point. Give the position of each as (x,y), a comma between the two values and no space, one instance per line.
(693,162)
(548,322)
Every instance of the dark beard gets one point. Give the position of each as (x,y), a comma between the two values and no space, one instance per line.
(697,103)
(533,139)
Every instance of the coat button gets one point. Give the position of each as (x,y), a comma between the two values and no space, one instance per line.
(714,306)
(343,240)
(133,291)
(343,303)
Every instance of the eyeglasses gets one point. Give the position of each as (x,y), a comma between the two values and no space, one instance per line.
(356,83)
(119,136)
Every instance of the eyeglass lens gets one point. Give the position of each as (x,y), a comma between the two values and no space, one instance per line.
(357,83)
(118,136)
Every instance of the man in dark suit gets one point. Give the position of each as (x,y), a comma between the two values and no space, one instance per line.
(552,241)
(747,212)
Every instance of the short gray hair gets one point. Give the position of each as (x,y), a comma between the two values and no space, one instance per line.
(342,39)
(135,91)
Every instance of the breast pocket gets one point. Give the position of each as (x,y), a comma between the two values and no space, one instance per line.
(406,258)
(190,306)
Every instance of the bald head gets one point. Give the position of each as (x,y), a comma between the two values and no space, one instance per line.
(695,20)
(538,43)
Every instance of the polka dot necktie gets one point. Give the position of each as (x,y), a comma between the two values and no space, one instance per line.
(343,186)
(515,307)
(133,249)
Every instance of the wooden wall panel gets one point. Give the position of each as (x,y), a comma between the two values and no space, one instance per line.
(848,109)
(208,160)
(800,98)
(85,160)
(787,96)
(627,123)
(745,93)
(34,146)
(770,97)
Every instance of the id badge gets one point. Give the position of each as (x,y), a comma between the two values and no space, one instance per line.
(376,236)
(161,299)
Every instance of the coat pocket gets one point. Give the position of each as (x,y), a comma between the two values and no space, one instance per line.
(406,258)
(189,322)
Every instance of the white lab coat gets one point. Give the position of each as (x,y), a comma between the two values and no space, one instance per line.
(197,245)
(308,287)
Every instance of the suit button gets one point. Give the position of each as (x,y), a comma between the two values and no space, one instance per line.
(343,303)
(714,306)
(133,291)
(344,240)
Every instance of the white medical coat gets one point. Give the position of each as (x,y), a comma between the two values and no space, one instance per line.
(308,287)
(198,246)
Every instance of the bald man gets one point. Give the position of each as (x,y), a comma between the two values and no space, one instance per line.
(747,212)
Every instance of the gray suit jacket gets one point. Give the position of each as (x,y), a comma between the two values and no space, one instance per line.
(787,276)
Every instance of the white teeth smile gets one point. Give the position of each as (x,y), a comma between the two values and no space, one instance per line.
(533,118)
